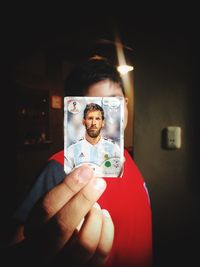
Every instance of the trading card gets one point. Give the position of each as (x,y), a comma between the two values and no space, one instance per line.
(94,134)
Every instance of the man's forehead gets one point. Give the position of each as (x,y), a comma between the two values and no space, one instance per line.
(93,113)
(104,88)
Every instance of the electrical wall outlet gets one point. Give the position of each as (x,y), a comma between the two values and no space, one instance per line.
(173,137)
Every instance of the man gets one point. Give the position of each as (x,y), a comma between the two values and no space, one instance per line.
(92,149)
(59,222)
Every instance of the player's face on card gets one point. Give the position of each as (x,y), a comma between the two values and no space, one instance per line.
(107,88)
(93,123)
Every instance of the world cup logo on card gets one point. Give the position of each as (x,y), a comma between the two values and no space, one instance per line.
(74,106)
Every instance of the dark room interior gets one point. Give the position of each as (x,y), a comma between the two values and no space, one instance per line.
(40,52)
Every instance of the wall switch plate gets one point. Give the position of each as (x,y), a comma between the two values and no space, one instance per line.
(173,137)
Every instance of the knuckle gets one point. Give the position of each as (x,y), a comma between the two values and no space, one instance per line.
(68,188)
(85,198)
(47,208)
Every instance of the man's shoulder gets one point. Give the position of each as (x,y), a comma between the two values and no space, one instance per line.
(59,157)
(81,140)
(108,140)
(111,143)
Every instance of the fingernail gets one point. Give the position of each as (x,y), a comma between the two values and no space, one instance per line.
(99,184)
(97,206)
(106,213)
(85,173)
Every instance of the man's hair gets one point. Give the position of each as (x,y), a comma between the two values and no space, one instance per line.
(91,71)
(93,107)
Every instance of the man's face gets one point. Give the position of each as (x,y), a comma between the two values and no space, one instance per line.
(93,123)
(107,88)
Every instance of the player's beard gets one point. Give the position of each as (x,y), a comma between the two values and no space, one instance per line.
(93,132)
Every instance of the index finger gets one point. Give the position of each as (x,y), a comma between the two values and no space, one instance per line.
(57,197)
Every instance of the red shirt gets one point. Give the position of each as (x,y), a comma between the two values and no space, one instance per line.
(128,203)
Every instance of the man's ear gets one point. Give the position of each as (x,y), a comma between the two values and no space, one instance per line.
(126,100)
(103,123)
(83,122)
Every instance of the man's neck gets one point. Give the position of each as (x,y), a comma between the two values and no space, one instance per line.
(92,140)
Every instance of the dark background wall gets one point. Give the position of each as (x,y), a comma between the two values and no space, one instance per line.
(166,93)
(165,57)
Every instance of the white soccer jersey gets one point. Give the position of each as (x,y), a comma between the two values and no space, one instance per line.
(84,152)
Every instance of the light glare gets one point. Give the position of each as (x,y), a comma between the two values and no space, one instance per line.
(123,69)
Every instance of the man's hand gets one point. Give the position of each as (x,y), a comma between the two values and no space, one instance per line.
(66,227)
